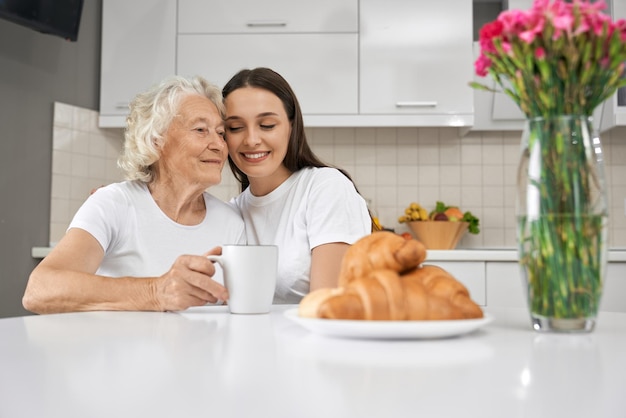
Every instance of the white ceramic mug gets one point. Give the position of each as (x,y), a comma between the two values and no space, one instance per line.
(249,275)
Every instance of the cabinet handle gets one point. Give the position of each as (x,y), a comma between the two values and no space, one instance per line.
(416,104)
(121,105)
(266,24)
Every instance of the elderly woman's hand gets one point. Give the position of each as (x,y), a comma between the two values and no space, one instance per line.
(189,283)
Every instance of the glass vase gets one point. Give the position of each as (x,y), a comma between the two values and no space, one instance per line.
(562,222)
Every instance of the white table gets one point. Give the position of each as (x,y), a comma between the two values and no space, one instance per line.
(207,363)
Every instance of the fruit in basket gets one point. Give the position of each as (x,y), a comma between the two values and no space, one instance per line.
(414,212)
(441,212)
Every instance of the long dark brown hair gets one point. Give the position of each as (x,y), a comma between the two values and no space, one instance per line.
(299,154)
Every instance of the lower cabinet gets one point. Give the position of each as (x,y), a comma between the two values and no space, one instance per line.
(500,283)
(470,273)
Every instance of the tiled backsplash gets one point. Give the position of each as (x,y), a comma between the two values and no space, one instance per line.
(83,158)
(392,167)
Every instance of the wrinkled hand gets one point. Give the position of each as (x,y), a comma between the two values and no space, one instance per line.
(189,283)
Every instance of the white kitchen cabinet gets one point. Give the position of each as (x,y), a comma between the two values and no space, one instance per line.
(314,45)
(612,112)
(138,49)
(321,68)
(470,273)
(506,287)
(494,110)
(276,16)
(416,59)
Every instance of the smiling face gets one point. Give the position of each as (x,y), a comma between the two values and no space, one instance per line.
(257,134)
(194,151)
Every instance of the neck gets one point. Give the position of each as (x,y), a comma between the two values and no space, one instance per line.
(260,186)
(182,204)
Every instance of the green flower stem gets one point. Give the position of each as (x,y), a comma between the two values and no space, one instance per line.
(563,235)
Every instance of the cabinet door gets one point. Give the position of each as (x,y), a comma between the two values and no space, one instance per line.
(416,57)
(470,273)
(321,68)
(138,50)
(245,16)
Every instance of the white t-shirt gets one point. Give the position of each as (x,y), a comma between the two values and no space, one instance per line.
(314,206)
(139,240)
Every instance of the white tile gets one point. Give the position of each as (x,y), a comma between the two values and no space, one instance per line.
(450,175)
(386,137)
(406,195)
(325,152)
(365,136)
(407,175)
(322,136)
(471,196)
(491,217)
(61,163)
(81,187)
(471,175)
(450,152)
(80,142)
(493,154)
(386,197)
(471,152)
(62,138)
(407,154)
(345,154)
(61,186)
(493,175)
(63,115)
(493,196)
(386,154)
(365,175)
(428,175)
(80,166)
(386,175)
(97,145)
(59,210)
(428,155)
(365,155)
(345,136)
(97,168)
(407,136)
(450,195)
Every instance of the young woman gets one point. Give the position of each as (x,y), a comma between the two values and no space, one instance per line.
(289,198)
(142,244)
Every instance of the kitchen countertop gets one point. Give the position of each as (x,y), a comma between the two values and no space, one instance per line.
(481,254)
(207,362)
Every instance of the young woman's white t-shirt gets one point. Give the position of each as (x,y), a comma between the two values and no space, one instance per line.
(314,206)
(139,240)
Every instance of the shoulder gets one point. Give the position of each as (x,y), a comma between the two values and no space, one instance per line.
(322,174)
(119,193)
(218,207)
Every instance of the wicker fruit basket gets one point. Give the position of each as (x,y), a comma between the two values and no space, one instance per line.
(439,235)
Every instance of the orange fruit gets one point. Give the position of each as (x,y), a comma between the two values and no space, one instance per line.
(454,214)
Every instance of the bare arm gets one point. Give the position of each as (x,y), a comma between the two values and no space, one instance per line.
(65,281)
(326,263)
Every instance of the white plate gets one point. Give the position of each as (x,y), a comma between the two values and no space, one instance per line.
(388,329)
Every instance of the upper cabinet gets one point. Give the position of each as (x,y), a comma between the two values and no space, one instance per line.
(314,45)
(350,62)
(138,49)
(612,112)
(416,61)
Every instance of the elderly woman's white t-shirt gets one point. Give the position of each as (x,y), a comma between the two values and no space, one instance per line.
(139,240)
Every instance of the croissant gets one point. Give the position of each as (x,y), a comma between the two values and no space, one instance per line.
(424,293)
(380,250)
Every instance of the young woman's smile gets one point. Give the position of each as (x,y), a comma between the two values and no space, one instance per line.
(257,135)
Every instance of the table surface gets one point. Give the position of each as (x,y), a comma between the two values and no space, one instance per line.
(207,362)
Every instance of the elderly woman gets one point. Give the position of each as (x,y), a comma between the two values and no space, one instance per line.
(141,244)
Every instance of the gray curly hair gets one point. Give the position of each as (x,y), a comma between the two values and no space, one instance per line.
(151,113)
